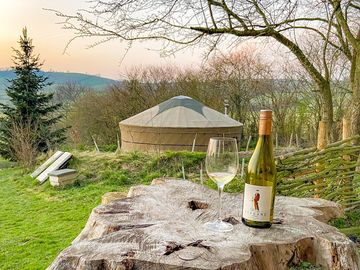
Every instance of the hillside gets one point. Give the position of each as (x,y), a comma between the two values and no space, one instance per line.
(58,78)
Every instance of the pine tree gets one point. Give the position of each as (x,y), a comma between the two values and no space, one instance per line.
(29,104)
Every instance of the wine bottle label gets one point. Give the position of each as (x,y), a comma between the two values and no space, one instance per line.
(257,202)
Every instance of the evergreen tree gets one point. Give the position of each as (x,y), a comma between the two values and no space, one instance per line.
(29,104)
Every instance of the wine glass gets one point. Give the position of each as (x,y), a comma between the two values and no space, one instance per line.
(222,163)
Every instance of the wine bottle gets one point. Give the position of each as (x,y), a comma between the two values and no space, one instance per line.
(260,181)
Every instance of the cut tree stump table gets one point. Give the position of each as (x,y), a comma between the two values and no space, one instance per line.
(161,227)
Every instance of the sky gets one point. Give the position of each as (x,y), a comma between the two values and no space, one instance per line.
(50,40)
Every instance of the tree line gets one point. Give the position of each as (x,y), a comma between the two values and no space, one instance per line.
(244,80)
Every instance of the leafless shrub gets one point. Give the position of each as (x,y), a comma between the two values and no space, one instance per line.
(23,142)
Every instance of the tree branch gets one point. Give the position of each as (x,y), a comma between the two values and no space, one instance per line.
(101,31)
(261,13)
(315,74)
(341,20)
(210,2)
(232,14)
(315,30)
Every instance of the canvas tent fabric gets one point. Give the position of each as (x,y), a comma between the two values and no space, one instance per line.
(176,124)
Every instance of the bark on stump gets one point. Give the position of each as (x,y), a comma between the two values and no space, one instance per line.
(112,196)
(161,227)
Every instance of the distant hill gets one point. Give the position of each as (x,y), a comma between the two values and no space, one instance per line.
(58,78)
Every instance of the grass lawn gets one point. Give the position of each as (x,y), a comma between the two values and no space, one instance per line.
(38,221)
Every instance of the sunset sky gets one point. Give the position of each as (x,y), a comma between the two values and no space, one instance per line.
(50,40)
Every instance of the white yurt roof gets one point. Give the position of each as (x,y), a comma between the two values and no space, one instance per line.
(181,112)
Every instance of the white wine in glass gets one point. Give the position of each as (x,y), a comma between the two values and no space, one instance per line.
(222,163)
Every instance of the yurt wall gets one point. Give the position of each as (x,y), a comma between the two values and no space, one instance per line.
(160,139)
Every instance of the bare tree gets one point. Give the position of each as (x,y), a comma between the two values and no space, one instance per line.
(69,92)
(94,114)
(240,77)
(283,96)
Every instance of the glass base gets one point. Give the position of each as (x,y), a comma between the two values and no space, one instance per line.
(219,226)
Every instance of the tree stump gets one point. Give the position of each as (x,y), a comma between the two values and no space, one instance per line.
(161,227)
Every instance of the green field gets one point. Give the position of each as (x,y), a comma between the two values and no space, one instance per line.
(37,222)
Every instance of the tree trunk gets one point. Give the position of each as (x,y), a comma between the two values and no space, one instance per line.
(355,101)
(326,107)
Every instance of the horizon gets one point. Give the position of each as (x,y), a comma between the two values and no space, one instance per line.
(61,71)
(109,60)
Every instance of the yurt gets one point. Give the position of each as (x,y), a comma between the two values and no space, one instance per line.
(180,123)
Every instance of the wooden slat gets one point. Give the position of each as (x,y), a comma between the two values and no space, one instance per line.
(53,167)
(46,164)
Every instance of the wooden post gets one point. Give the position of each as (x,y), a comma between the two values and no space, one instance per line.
(321,144)
(297,140)
(194,143)
(346,128)
(243,159)
(242,168)
(248,143)
(291,137)
(183,170)
(118,143)
(96,146)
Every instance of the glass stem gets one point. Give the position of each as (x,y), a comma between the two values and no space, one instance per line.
(220,188)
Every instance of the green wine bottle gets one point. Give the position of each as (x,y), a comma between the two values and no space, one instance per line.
(260,181)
